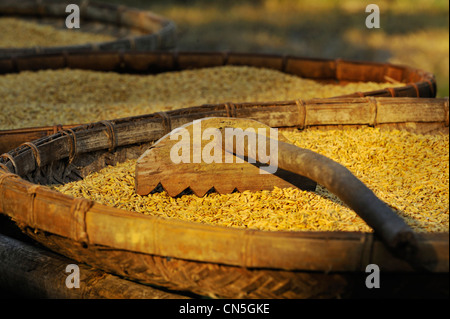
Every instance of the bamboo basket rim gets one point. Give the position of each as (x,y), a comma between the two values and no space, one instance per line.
(81,220)
(157,32)
(419,83)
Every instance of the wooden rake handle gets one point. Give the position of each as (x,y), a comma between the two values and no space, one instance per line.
(390,227)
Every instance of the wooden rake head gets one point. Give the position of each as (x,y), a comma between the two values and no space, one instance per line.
(194,156)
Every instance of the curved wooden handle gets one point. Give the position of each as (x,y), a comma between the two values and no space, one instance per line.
(390,227)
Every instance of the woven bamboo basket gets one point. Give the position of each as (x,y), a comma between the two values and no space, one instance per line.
(419,83)
(211,260)
(133,29)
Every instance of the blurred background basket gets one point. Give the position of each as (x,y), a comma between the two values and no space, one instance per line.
(129,28)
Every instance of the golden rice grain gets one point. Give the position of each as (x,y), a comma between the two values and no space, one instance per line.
(408,171)
(51,97)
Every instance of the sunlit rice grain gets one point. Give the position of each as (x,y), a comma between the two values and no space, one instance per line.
(408,171)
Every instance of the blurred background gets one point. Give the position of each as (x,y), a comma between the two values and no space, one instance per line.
(412,32)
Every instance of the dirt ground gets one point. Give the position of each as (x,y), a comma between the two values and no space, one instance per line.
(413,33)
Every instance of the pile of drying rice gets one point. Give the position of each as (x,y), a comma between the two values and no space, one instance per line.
(51,97)
(18,33)
(408,171)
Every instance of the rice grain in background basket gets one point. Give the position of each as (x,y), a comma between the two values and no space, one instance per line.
(84,96)
(139,83)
